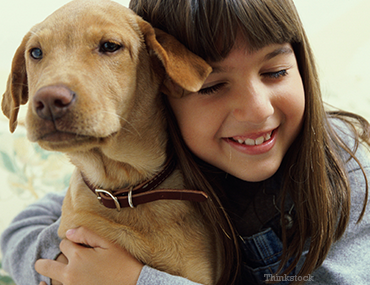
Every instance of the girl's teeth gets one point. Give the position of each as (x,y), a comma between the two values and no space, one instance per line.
(249,142)
(258,141)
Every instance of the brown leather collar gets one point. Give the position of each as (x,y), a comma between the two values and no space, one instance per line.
(145,192)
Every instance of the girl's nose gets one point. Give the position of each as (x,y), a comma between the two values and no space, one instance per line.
(252,104)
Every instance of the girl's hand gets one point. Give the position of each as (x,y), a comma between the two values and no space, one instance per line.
(102,263)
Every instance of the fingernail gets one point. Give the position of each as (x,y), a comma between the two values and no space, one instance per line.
(70,232)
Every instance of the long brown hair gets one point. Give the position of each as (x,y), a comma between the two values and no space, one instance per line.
(316,180)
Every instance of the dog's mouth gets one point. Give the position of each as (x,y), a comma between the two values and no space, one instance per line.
(57,136)
(66,141)
(60,136)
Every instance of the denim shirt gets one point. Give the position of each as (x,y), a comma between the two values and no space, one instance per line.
(261,257)
(262,250)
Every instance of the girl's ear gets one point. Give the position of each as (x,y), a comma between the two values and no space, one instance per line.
(186,72)
(16,92)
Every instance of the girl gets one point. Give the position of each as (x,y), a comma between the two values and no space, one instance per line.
(287,180)
(259,133)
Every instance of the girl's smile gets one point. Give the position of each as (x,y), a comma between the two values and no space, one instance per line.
(248,112)
(254,144)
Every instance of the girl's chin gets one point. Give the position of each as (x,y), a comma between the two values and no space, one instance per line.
(257,177)
(259,171)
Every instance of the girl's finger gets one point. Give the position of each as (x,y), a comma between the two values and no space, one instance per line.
(84,236)
(49,268)
(69,248)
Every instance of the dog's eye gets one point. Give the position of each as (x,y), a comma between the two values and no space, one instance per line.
(109,47)
(36,53)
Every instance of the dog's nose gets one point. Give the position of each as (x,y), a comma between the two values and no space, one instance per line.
(53,102)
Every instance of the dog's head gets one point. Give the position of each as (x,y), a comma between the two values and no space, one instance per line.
(86,67)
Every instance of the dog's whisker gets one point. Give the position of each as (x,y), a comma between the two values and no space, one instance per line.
(35,33)
(125,120)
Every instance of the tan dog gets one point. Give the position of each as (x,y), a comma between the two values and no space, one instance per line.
(92,73)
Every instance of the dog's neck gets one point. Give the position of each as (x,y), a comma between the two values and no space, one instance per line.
(133,155)
(105,172)
(150,184)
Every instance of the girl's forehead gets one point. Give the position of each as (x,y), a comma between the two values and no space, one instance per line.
(243,47)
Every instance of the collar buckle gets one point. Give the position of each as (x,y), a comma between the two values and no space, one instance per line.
(100,192)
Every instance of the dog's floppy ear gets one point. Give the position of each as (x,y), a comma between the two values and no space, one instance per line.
(186,72)
(16,92)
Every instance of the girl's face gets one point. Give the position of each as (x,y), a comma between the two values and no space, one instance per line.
(248,112)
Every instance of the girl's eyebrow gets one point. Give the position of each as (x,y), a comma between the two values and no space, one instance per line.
(220,69)
(278,51)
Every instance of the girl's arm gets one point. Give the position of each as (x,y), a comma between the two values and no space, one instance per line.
(348,260)
(100,263)
(150,276)
(32,235)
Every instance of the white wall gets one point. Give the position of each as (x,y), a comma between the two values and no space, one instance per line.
(339,31)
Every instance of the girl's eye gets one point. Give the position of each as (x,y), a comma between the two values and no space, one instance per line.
(277,74)
(109,47)
(210,90)
(36,53)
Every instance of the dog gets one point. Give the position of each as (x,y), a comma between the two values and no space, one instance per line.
(92,74)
